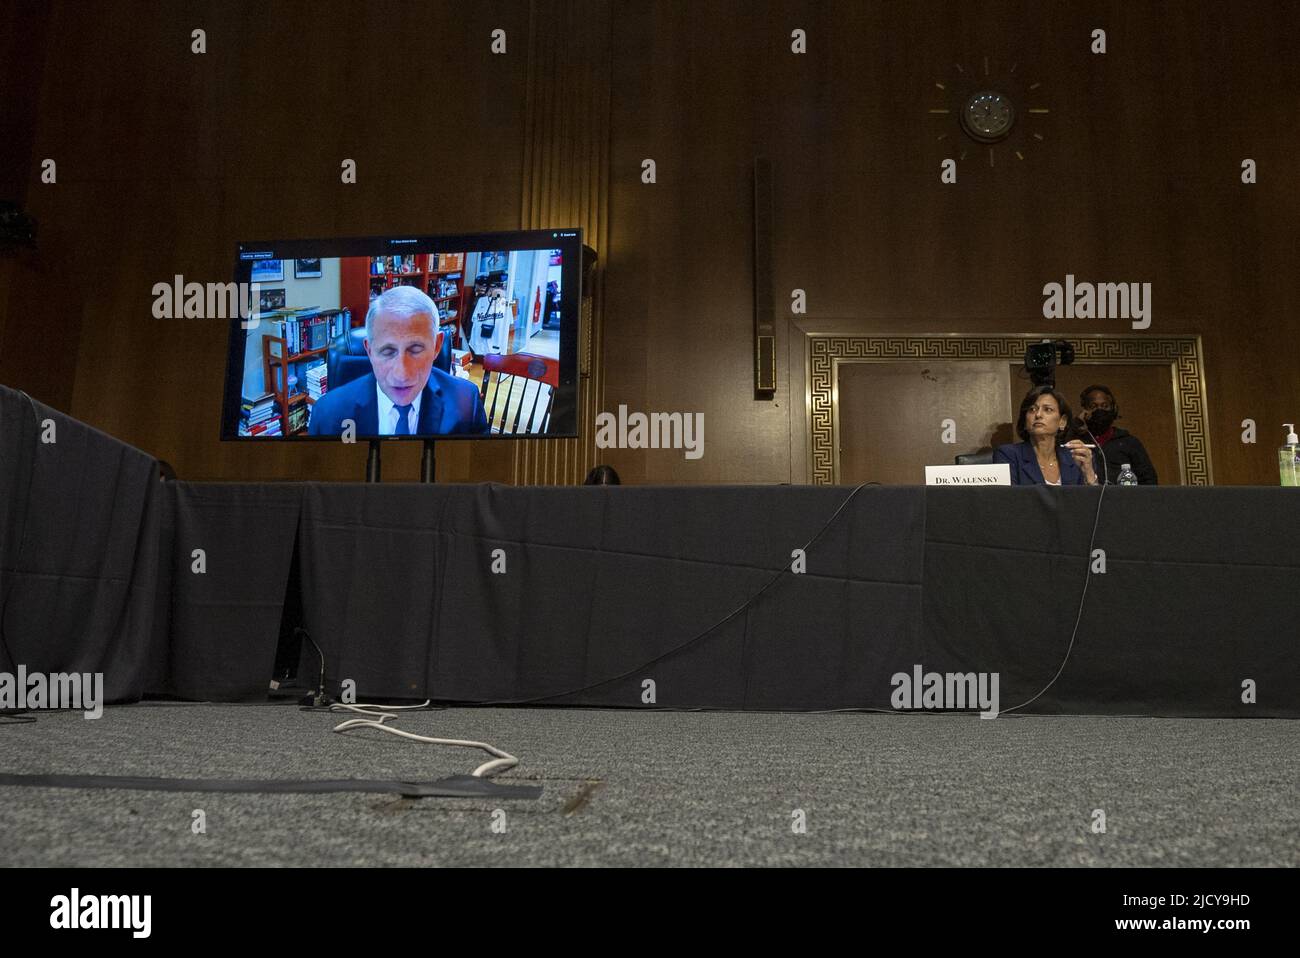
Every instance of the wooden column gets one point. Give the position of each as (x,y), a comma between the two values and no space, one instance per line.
(566,183)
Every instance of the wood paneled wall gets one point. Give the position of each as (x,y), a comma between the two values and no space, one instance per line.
(166,159)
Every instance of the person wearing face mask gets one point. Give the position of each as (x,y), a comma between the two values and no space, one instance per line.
(1099,412)
(1046,456)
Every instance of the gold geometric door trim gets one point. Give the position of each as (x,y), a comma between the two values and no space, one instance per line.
(827,350)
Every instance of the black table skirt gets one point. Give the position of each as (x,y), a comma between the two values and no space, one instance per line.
(638,597)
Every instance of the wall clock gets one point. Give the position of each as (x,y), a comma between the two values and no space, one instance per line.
(987,107)
(988,116)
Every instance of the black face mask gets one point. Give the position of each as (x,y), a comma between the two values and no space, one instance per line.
(1099,420)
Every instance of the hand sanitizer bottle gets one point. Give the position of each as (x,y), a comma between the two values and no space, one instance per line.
(1126,476)
(1287,458)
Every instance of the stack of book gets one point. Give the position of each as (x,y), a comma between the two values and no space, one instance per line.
(314,328)
(317,380)
(258,417)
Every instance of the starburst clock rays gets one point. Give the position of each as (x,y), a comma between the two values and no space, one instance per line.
(985,106)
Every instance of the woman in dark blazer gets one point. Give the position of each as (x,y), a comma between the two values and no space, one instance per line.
(1044,457)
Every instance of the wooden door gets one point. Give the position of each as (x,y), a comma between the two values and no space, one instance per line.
(892,416)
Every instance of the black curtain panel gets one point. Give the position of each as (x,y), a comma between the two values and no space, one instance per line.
(79,578)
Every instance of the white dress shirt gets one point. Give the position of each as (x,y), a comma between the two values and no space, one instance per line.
(388,413)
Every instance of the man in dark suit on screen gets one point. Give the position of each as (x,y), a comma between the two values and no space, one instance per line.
(404,394)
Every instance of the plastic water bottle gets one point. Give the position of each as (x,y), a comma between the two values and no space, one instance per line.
(1289,457)
(1126,476)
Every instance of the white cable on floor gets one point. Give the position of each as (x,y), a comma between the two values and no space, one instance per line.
(377,715)
(365,708)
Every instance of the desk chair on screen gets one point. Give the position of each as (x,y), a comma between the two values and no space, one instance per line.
(347,359)
(518,390)
(975,459)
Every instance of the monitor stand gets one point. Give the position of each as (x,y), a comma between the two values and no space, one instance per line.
(373,466)
(427,462)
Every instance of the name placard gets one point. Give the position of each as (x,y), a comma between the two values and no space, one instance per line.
(993,474)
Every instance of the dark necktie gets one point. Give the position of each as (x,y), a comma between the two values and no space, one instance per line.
(403,424)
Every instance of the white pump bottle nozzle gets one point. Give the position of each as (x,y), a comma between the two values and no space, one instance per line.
(1291,438)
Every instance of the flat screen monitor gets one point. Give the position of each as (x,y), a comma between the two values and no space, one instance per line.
(470,336)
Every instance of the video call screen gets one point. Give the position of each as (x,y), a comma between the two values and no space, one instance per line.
(445,337)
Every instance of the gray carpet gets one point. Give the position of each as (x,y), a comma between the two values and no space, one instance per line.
(666,788)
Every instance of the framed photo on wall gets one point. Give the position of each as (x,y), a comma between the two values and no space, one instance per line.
(493,262)
(306,268)
(268,271)
(269,299)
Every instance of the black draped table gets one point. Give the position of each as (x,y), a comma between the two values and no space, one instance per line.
(640,597)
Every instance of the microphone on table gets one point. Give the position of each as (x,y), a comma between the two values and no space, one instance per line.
(1105,468)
